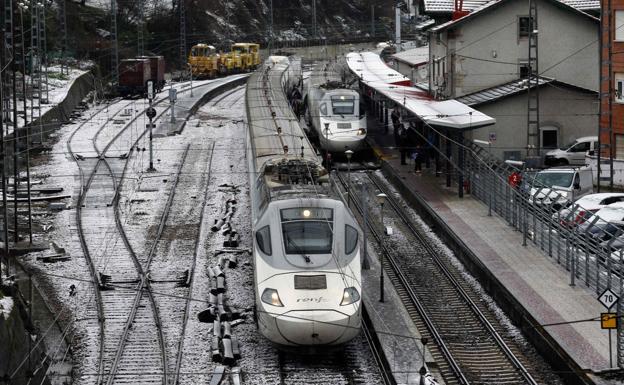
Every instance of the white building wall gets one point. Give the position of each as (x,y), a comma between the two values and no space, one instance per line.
(486,51)
(574,113)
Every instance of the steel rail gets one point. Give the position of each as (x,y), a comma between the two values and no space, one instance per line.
(83,244)
(448,356)
(376,349)
(144,282)
(465,296)
(85,186)
(187,306)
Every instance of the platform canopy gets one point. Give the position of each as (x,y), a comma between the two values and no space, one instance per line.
(375,74)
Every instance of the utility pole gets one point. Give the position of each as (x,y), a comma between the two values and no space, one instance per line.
(61,5)
(270,26)
(373,20)
(115,53)
(5,218)
(44,50)
(183,52)
(397,24)
(314,18)
(533,115)
(140,46)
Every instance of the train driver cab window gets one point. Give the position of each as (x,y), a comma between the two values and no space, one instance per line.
(351,239)
(323,109)
(307,230)
(263,237)
(343,105)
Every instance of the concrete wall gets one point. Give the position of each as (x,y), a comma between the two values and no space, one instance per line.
(575,113)
(485,51)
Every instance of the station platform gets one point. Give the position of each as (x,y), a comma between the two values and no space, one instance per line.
(186,105)
(536,288)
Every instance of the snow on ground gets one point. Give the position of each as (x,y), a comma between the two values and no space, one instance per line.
(58,87)
(6,306)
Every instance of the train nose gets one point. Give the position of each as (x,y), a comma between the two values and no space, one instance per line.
(316,328)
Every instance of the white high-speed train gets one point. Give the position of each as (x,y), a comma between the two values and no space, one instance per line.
(333,111)
(306,247)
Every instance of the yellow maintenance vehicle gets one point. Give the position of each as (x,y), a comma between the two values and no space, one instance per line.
(249,53)
(204,61)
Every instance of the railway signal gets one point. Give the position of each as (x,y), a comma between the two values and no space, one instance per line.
(151,114)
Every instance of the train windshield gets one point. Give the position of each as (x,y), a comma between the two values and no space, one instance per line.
(307,230)
(343,105)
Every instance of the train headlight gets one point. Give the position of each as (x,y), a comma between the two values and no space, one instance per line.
(271,297)
(349,296)
(361,131)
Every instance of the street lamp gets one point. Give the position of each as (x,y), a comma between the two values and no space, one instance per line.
(491,179)
(191,74)
(381,198)
(349,154)
(326,140)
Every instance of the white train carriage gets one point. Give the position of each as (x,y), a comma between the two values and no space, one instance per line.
(333,110)
(306,249)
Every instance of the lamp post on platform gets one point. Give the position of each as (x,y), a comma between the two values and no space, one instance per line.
(381,198)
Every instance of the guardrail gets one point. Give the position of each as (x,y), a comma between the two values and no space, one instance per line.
(535,210)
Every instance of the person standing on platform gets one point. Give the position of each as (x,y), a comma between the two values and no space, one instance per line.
(417,155)
(395,116)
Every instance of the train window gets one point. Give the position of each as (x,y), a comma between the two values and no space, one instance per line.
(307,213)
(343,105)
(351,239)
(308,237)
(323,109)
(263,237)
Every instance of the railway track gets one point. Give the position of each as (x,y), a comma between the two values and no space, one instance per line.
(469,346)
(124,356)
(339,367)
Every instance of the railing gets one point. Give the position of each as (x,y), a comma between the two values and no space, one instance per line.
(585,250)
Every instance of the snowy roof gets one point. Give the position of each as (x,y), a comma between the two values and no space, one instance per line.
(448,113)
(489,5)
(425,24)
(369,67)
(499,92)
(414,56)
(447,6)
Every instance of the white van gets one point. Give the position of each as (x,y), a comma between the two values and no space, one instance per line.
(572,153)
(561,185)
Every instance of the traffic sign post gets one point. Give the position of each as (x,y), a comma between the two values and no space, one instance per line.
(609,320)
(151,114)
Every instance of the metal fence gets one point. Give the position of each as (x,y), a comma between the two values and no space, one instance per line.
(585,251)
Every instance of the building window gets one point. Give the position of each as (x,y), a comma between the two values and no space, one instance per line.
(619,88)
(524,26)
(550,136)
(619,25)
(619,146)
(523,69)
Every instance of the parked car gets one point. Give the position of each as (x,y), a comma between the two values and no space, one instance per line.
(610,221)
(572,153)
(560,186)
(587,206)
